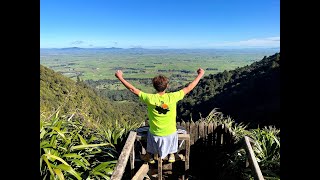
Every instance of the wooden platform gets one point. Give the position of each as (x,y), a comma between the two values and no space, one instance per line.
(163,169)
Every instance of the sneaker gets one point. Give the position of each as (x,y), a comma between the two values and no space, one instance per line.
(151,161)
(171,158)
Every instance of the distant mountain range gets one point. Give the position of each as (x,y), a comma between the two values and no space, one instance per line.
(140,48)
(78,50)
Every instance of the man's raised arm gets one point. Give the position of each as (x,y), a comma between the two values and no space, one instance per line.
(129,86)
(193,84)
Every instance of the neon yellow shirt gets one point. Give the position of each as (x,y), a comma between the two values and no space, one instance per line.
(162,111)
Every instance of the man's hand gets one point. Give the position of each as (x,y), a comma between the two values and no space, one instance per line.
(129,86)
(118,74)
(189,88)
(200,72)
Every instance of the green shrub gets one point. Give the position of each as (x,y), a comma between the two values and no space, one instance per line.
(71,150)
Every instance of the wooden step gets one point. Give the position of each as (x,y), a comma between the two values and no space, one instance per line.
(178,157)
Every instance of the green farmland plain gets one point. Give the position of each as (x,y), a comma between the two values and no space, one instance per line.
(139,65)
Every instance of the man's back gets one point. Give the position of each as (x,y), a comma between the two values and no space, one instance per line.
(162,111)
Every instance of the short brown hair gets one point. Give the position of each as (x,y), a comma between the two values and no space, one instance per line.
(160,83)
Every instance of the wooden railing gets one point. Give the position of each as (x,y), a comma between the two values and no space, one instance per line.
(209,133)
(198,133)
(255,169)
(217,135)
(128,150)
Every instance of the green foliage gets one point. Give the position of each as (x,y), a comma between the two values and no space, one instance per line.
(266,148)
(117,131)
(250,94)
(217,117)
(70,150)
(267,152)
(59,93)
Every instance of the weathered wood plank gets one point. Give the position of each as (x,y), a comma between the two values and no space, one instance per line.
(131,156)
(183,136)
(201,129)
(222,133)
(187,157)
(232,137)
(227,137)
(124,156)
(215,126)
(159,167)
(143,170)
(218,134)
(192,132)
(210,134)
(252,160)
(205,137)
(183,124)
(196,133)
(188,127)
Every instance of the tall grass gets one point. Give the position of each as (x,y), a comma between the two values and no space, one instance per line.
(266,147)
(267,150)
(116,132)
(71,150)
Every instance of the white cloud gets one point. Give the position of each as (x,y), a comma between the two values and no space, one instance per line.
(77,42)
(260,42)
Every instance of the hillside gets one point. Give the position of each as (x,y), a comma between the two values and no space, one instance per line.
(58,91)
(249,94)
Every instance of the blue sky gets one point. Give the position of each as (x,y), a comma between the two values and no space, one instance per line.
(160,23)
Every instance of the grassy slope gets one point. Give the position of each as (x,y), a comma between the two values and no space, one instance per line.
(60,92)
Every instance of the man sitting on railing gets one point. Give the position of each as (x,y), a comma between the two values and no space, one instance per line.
(162,137)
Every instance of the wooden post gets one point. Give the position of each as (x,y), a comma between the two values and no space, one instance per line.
(252,160)
(222,134)
(227,137)
(218,132)
(214,135)
(205,133)
(132,161)
(201,129)
(192,132)
(186,168)
(188,127)
(196,133)
(124,156)
(210,134)
(183,124)
(159,167)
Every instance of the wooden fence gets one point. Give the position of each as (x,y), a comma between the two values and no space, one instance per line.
(127,151)
(204,136)
(208,134)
